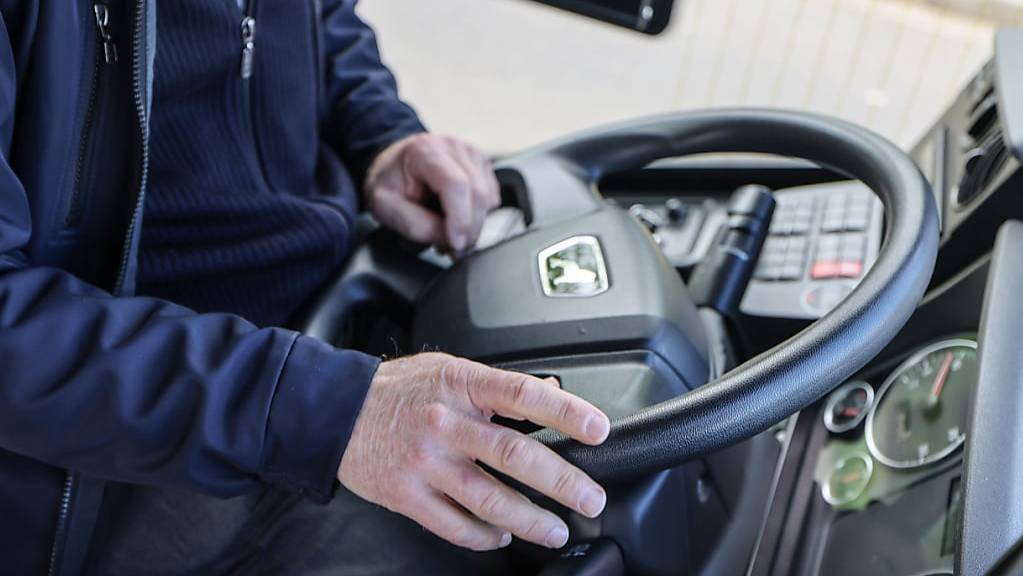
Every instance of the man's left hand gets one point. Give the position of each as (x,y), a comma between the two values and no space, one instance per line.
(407,175)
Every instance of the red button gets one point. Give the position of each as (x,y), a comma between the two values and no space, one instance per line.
(823,269)
(850,269)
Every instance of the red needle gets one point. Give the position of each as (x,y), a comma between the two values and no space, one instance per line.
(939,380)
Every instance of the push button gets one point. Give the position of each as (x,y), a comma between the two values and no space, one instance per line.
(828,269)
(832,224)
(800,226)
(825,269)
(791,271)
(793,217)
(857,220)
(852,252)
(850,268)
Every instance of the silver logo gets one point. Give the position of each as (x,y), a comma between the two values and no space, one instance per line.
(573,268)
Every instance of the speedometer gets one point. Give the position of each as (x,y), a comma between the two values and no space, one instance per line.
(921,412)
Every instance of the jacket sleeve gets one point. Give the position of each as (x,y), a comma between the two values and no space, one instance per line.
(365,114)
(140,390)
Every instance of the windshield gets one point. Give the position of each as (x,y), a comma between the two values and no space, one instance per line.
(508,74)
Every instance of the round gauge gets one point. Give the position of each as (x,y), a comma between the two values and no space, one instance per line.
(847,407)
(921,412)
(848,480)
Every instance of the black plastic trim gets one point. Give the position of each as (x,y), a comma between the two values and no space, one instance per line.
(993,469)
(383,275)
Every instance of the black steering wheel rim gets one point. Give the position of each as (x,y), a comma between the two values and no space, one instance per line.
(786,379)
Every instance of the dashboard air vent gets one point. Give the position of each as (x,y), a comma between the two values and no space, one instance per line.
(982,167)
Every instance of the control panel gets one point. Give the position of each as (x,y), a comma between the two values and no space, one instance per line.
(822,240)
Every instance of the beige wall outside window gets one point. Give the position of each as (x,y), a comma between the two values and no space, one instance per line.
(510,73)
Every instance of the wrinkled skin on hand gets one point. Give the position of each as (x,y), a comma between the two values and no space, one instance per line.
(407,175)
(425,425)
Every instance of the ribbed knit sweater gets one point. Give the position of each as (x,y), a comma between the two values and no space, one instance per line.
(247,211)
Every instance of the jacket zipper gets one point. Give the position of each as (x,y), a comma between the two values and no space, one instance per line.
(62,521)
(102,14)
(76,204)
(247,70)
(141,101)
(248,46)
(101,19)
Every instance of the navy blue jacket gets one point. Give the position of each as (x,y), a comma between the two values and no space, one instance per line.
(133,389)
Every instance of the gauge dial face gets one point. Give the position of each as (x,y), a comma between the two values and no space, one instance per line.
(848,480)
(848,406)
(921,412)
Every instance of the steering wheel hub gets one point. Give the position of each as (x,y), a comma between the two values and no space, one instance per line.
(592,285)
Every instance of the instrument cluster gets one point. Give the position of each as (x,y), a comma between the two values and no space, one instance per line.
(889,436)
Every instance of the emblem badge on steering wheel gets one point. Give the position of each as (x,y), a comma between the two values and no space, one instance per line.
(573,268)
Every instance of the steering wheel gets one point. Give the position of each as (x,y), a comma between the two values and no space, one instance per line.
(556,186)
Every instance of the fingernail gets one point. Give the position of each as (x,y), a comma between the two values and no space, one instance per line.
(458,241)
(592,503)
(596,428)
(557,537)
(506,539)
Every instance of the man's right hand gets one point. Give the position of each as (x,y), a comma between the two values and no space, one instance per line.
(426,422)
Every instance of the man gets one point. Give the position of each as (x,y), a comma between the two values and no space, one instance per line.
(208,152)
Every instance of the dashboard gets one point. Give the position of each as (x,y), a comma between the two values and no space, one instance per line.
(870,480)
(889,467)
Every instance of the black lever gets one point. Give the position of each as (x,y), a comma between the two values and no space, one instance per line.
(720,279)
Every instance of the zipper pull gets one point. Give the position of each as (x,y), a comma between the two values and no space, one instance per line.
(248,46)
(103,24)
